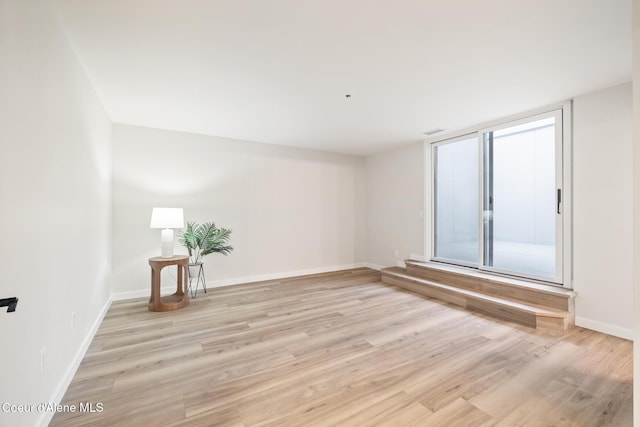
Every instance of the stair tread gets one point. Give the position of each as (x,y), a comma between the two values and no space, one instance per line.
(506,281)
(534,309)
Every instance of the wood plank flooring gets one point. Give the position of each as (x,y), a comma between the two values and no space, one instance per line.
(342,349)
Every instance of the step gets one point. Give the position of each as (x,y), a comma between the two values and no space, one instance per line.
(511,288)
(531,315)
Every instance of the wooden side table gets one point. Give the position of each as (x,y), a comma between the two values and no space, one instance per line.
(181,297)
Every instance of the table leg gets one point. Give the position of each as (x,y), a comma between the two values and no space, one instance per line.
(179,290)
(154,301)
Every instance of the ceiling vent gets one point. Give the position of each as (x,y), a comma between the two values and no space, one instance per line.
(432,132)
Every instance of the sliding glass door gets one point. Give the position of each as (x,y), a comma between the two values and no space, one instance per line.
(456,201)
(522,198)
(498,198)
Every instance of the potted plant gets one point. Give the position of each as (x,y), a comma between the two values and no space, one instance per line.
(200,241)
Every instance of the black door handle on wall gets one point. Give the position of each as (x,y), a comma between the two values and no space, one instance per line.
(10,303)
(558,200)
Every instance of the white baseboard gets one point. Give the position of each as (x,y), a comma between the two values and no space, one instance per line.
(276,276)
(373,266)
(605,328)
(58,395)
(146,292)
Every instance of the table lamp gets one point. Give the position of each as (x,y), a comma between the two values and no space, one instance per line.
(167,219)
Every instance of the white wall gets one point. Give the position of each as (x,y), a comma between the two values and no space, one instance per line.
(603,210)
(55,216)
(395,203)
(291,210)
(603,213)
(636,206)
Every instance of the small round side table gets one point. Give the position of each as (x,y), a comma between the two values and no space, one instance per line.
(181,297)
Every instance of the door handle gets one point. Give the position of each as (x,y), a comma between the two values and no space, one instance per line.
(558,200)
(10,303)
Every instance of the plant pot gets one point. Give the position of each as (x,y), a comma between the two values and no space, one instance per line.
(194,269)
(196,278)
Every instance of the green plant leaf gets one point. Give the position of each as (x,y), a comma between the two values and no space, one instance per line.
(204,239)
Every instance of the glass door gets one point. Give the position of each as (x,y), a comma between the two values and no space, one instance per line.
(522,198)
(497,198)
(456,201)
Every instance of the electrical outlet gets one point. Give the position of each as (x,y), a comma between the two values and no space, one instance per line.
(396,253)
(73,320)
(42,359)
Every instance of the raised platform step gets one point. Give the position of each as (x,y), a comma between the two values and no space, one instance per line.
(503,302)
(511,288)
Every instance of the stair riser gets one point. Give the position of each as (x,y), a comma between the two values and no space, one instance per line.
(500,312)
(492,288)
(555,324)
(426,291)
(489,308)
(484,307)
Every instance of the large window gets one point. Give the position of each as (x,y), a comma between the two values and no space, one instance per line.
(497,198)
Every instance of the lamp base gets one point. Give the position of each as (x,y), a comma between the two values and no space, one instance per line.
(166,243)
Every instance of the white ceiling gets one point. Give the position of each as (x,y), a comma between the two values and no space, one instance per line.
(278,71)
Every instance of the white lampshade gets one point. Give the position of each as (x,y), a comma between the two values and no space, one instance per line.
(167,218)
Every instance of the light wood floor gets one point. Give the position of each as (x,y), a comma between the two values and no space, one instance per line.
(342,349)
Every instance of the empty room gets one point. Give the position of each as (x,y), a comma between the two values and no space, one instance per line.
(305,213)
